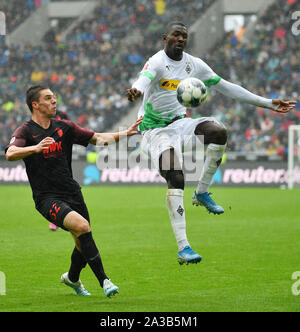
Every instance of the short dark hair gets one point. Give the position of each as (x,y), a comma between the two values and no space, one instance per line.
(33,94)
(171,24)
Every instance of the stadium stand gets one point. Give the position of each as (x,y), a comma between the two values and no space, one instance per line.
(17,11)
(266,65)
(93,67)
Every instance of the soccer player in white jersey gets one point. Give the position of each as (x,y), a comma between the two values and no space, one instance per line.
(163,116)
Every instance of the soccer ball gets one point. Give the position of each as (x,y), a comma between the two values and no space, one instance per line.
(191,92)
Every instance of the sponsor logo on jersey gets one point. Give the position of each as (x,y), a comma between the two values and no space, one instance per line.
(53,150)
(169,84)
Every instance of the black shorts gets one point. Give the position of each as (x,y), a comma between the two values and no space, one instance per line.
(55,208)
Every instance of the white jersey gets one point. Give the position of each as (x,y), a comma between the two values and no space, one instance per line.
(160,105)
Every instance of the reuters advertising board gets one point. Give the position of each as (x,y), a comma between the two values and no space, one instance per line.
(248,174)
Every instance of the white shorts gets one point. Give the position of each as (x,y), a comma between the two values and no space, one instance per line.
(179,135)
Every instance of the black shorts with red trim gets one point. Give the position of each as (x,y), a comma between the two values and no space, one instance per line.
(55,208)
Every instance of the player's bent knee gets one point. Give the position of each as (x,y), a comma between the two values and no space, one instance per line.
(212,132)
(175,179)
(80,229)
(76,224)
(221,135)
(83,227)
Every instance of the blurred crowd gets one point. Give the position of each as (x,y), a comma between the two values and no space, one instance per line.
(268,65)
(17,11)
(92,68)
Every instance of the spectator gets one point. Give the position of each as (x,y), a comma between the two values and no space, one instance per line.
(266,125)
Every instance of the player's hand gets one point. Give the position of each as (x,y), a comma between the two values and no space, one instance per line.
(132,130)
(44,144)
(133,94)
(284,106)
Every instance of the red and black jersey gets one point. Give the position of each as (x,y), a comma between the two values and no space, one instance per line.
(50,172)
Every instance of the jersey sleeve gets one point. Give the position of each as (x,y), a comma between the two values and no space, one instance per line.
(18,138)
(242,95)
(147,75)
(150,69)
(206,74)
(80,135)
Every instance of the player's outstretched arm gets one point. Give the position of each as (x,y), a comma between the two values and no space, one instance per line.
(15,153)
(241,94)
(109,138)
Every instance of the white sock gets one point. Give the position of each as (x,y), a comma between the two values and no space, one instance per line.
(177,216)
(214,154)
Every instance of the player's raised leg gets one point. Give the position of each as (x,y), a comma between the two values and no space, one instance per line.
(175,181)
(215,138)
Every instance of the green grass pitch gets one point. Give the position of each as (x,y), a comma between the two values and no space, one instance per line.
(249,253)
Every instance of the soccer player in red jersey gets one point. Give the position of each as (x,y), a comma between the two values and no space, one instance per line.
(45,145)
(60,115)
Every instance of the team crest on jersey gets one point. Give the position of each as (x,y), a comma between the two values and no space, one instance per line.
(59,132)
(169,84)
(188,68)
